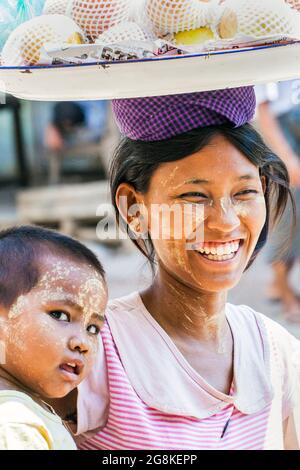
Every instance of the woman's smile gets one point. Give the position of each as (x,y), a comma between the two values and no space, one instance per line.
(220,255)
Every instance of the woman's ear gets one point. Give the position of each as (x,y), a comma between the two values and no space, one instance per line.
(130,204)
(263,183)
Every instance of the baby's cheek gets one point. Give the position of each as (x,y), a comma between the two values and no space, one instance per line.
(91,358)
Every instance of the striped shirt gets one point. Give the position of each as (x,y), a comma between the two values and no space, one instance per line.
(133,422)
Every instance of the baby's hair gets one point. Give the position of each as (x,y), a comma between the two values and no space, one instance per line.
(21,250)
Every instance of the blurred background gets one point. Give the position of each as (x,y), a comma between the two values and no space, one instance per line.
(54,160)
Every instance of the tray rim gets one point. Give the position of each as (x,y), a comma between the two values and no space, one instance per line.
(153,59)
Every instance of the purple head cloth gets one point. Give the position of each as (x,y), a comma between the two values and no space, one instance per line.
(162,117)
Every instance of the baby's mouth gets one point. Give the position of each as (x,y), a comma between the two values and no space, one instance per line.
(71,368)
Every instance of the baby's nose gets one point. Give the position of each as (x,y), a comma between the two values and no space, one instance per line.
(78,343)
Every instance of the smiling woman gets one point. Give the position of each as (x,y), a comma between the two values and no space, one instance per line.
(185,369)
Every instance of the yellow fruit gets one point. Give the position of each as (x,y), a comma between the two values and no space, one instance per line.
(75,38)
(194,36)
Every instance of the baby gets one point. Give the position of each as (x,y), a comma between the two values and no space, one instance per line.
(53,296)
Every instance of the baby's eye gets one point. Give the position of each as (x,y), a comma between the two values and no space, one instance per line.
(59,315)
(93,329)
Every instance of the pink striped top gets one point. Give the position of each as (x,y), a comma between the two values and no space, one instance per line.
(133,422)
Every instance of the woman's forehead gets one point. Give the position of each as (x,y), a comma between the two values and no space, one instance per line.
(218,160)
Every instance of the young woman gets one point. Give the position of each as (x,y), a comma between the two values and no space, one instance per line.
(184,368)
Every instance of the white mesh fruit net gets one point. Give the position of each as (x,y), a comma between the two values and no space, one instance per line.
(259,18)
(24,45)
(294,4)
(173,16)
(96,16)
(58,7)
(126,31)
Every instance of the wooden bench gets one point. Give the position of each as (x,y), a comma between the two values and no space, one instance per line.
(73,209)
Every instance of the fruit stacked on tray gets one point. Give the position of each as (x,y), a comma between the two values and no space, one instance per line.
(77,31)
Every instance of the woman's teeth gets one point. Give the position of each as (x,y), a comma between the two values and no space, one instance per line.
(219,252)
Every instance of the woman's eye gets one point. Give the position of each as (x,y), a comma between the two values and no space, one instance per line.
(93,329)
(247,192)
(59,315)
(193,194)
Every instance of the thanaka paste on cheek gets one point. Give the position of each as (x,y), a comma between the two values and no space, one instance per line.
(245,208)
(91,294)
(44,338)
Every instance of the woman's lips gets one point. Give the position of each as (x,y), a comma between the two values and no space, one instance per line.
(223,260)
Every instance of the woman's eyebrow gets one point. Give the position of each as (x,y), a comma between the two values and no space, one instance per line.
(203,181)
(196,181)
(247,177)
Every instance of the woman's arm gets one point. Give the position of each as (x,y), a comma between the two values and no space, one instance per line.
(291,436)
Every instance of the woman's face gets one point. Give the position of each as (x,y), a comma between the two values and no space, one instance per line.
(220,210)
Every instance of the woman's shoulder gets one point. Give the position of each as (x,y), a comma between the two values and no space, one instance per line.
(250,318)
(275,337)
(125,303)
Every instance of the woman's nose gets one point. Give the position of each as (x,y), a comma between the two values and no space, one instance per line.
(78,343)
(223,216)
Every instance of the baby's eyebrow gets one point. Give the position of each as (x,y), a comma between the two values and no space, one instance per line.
(74,305)
(101,318)
(70,303)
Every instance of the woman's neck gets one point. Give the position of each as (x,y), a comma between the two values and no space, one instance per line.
(183,311)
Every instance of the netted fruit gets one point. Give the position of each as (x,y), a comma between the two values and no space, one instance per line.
(96,16)
(24,45)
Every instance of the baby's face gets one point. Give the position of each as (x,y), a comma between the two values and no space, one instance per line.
(51,334)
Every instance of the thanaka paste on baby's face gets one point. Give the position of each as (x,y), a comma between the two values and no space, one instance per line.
(65,283)
(36,343)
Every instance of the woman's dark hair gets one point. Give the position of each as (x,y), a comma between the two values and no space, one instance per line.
(21,251)
(135,162)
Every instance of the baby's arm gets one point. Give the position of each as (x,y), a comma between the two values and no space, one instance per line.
(21,429)
(20,436)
